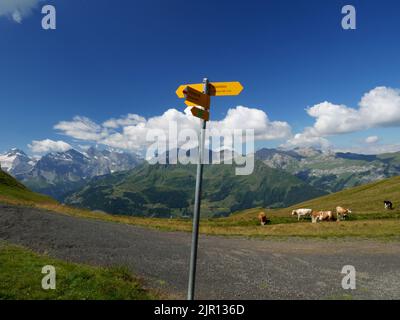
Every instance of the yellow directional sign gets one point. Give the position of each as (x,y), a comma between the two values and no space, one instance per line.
(200,113)
(225,88)
(215,88)
(196,98)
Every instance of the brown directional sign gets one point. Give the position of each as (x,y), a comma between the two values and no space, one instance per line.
(215,88)
(200,113)
(196,98)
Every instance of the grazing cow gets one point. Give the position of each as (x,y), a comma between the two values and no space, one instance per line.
(315,217)
(302,213)
(263,218)
(325,216)
(388,205)
(342,213)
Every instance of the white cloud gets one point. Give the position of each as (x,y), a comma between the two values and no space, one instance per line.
(129,120)
(372,140)
(133,137)
(308,138)
(48,145)
(334,119)
(81,128)
(381,108)
(17,9)
(248,118)
(377,109)
(130,132)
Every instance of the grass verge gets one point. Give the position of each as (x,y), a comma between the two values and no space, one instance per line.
(21,278)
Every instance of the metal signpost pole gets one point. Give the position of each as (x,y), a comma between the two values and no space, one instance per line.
(197,202)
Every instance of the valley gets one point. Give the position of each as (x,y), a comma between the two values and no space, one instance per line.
(167,191)
(124,184)
(369,219)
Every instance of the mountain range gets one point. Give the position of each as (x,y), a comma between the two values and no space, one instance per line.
(331,171)
(123,183)
(58,173)
(168,190)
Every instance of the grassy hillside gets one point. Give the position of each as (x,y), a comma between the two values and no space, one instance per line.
(21,278)
(168,190)
(363,200)
(13,192)
(368,214)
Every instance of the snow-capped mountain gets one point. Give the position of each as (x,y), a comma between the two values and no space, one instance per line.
(68,166)
(104,161)
(58,173)
(16,162)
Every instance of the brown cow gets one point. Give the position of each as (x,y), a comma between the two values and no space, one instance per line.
(263,218)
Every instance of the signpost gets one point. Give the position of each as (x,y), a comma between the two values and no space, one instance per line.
(199,95)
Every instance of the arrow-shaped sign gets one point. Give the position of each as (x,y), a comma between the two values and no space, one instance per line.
(215,88)
(200,113)
(196,98)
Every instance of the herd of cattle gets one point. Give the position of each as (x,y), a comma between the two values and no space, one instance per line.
(316,216)
(319,216)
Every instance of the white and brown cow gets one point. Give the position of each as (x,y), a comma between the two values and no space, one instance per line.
(342,213)
(325,216)
(315,216)
(302,213)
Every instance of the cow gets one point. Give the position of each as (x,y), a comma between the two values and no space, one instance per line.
(315,217)
(388,205)
(342,213)
(263,218)
(302,213)
(325,216)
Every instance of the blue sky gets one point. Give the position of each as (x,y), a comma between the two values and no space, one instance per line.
(107,59)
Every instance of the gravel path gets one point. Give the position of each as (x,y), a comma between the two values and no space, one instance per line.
(228,268)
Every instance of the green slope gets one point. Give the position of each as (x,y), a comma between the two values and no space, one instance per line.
(365,201)
(165,190)
(12,191)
